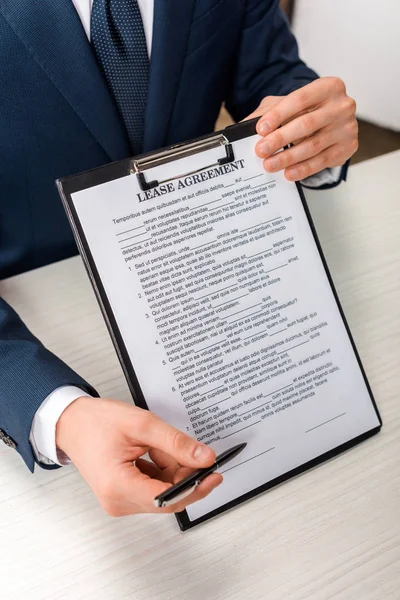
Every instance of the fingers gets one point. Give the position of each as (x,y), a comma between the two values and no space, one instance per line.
(318,121)
(149,468)
(168,468)
(185,450)
(181,473)
(300,100)
(334,156)
(128,490)
(206,487)
(164,468)
(301,127)
(306,149)
(162,459)
(133,492)
(167,465)
(140,491)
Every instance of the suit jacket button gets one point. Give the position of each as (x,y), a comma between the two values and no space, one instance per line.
(7,440)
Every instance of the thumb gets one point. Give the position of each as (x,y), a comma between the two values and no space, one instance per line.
(265,105)
(184,449)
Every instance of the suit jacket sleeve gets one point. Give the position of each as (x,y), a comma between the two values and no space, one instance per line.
(28,374)
(268,62)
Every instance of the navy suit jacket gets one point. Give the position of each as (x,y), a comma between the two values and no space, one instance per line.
(57,118)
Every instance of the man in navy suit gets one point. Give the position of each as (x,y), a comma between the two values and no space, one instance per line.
(86,82)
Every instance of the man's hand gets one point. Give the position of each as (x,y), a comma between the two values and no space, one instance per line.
(318,119)
(105,440)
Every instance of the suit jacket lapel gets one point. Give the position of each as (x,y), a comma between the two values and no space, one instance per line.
(172,20)
(53,34)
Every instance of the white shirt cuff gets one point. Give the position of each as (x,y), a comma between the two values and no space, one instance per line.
(43,430)
(325,177)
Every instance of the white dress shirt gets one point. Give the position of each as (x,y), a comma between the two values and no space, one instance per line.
(84,10)
(43,431)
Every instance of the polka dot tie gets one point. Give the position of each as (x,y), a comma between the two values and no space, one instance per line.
(119,43)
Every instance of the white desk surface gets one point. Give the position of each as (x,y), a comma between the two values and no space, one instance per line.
(332,533)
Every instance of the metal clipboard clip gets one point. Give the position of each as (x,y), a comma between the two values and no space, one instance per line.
(180,151)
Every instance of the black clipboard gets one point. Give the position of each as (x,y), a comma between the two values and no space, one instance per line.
(137,167)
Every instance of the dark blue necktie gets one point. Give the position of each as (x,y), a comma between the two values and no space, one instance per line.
(119,42)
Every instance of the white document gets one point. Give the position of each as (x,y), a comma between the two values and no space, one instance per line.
(225,309)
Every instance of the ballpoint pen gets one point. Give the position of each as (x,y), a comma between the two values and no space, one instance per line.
(187,485)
